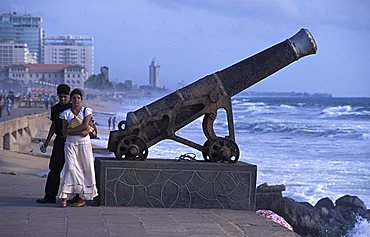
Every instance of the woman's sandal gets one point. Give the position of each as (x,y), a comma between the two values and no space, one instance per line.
(63,203)
(79,203)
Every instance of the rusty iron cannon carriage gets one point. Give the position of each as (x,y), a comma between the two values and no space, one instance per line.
(161,119)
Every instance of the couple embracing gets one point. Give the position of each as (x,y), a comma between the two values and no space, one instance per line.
(72,151)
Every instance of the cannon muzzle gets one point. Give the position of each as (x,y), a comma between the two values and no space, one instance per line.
(161,119)
(303,43)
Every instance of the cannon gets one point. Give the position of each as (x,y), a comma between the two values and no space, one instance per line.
(161,119)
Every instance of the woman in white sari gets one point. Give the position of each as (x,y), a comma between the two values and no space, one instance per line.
(79,173)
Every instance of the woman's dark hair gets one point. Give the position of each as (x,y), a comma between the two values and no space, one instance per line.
(76,91)
(63,89)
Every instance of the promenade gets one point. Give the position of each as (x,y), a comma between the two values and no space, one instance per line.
(22,182)
(17,112)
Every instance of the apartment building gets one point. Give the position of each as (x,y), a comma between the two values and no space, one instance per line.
(15,53)
(70,49)
(48,74)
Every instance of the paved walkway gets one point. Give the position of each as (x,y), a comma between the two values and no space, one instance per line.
(21,216)
(18,112)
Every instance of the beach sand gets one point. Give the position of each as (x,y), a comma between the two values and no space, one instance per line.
(99,105)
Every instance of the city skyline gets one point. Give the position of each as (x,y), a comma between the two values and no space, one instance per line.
(191,39)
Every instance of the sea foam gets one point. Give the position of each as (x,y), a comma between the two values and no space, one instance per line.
(361,228)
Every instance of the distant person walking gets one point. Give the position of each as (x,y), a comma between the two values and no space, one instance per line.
(109,122)
(46,101)
(2,102)
(114,123)
(8,105)
(56,162)
(52,100)
(12,99)
(29,99)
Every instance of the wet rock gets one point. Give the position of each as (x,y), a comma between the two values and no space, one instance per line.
(325,202)
(324,206)
(351,201)
(324,219)
(269,197)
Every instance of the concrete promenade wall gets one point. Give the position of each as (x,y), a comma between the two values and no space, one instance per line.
(16,134)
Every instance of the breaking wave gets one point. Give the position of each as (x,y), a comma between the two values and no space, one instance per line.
(297,128)
(361,228)
(344,111)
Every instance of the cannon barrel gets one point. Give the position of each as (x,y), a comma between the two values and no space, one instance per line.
(235,78)
(161,119)
(246,73)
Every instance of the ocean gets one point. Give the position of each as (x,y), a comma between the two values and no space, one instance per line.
(316,146)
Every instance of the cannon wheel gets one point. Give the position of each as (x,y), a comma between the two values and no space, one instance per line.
(132,147)
(121,125)
(224,149)
(205,150)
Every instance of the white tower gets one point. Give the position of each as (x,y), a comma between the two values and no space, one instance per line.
(154,74)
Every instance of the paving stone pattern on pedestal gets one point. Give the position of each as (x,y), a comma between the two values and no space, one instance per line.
(174,184)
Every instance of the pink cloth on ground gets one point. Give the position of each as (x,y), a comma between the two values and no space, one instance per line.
(275,218)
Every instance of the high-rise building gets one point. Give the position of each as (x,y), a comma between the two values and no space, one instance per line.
(23,29)
(12,53)
(70,49)
(154,74)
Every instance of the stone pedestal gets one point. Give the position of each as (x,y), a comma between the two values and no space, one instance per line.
(176,184)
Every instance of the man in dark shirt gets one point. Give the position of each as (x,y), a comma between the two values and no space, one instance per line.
(56,162)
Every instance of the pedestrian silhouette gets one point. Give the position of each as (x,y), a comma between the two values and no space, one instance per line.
(109,122)
(114,123)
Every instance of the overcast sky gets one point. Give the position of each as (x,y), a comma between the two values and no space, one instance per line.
(193,38)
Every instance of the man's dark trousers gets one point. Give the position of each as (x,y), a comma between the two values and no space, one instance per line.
(55,166)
